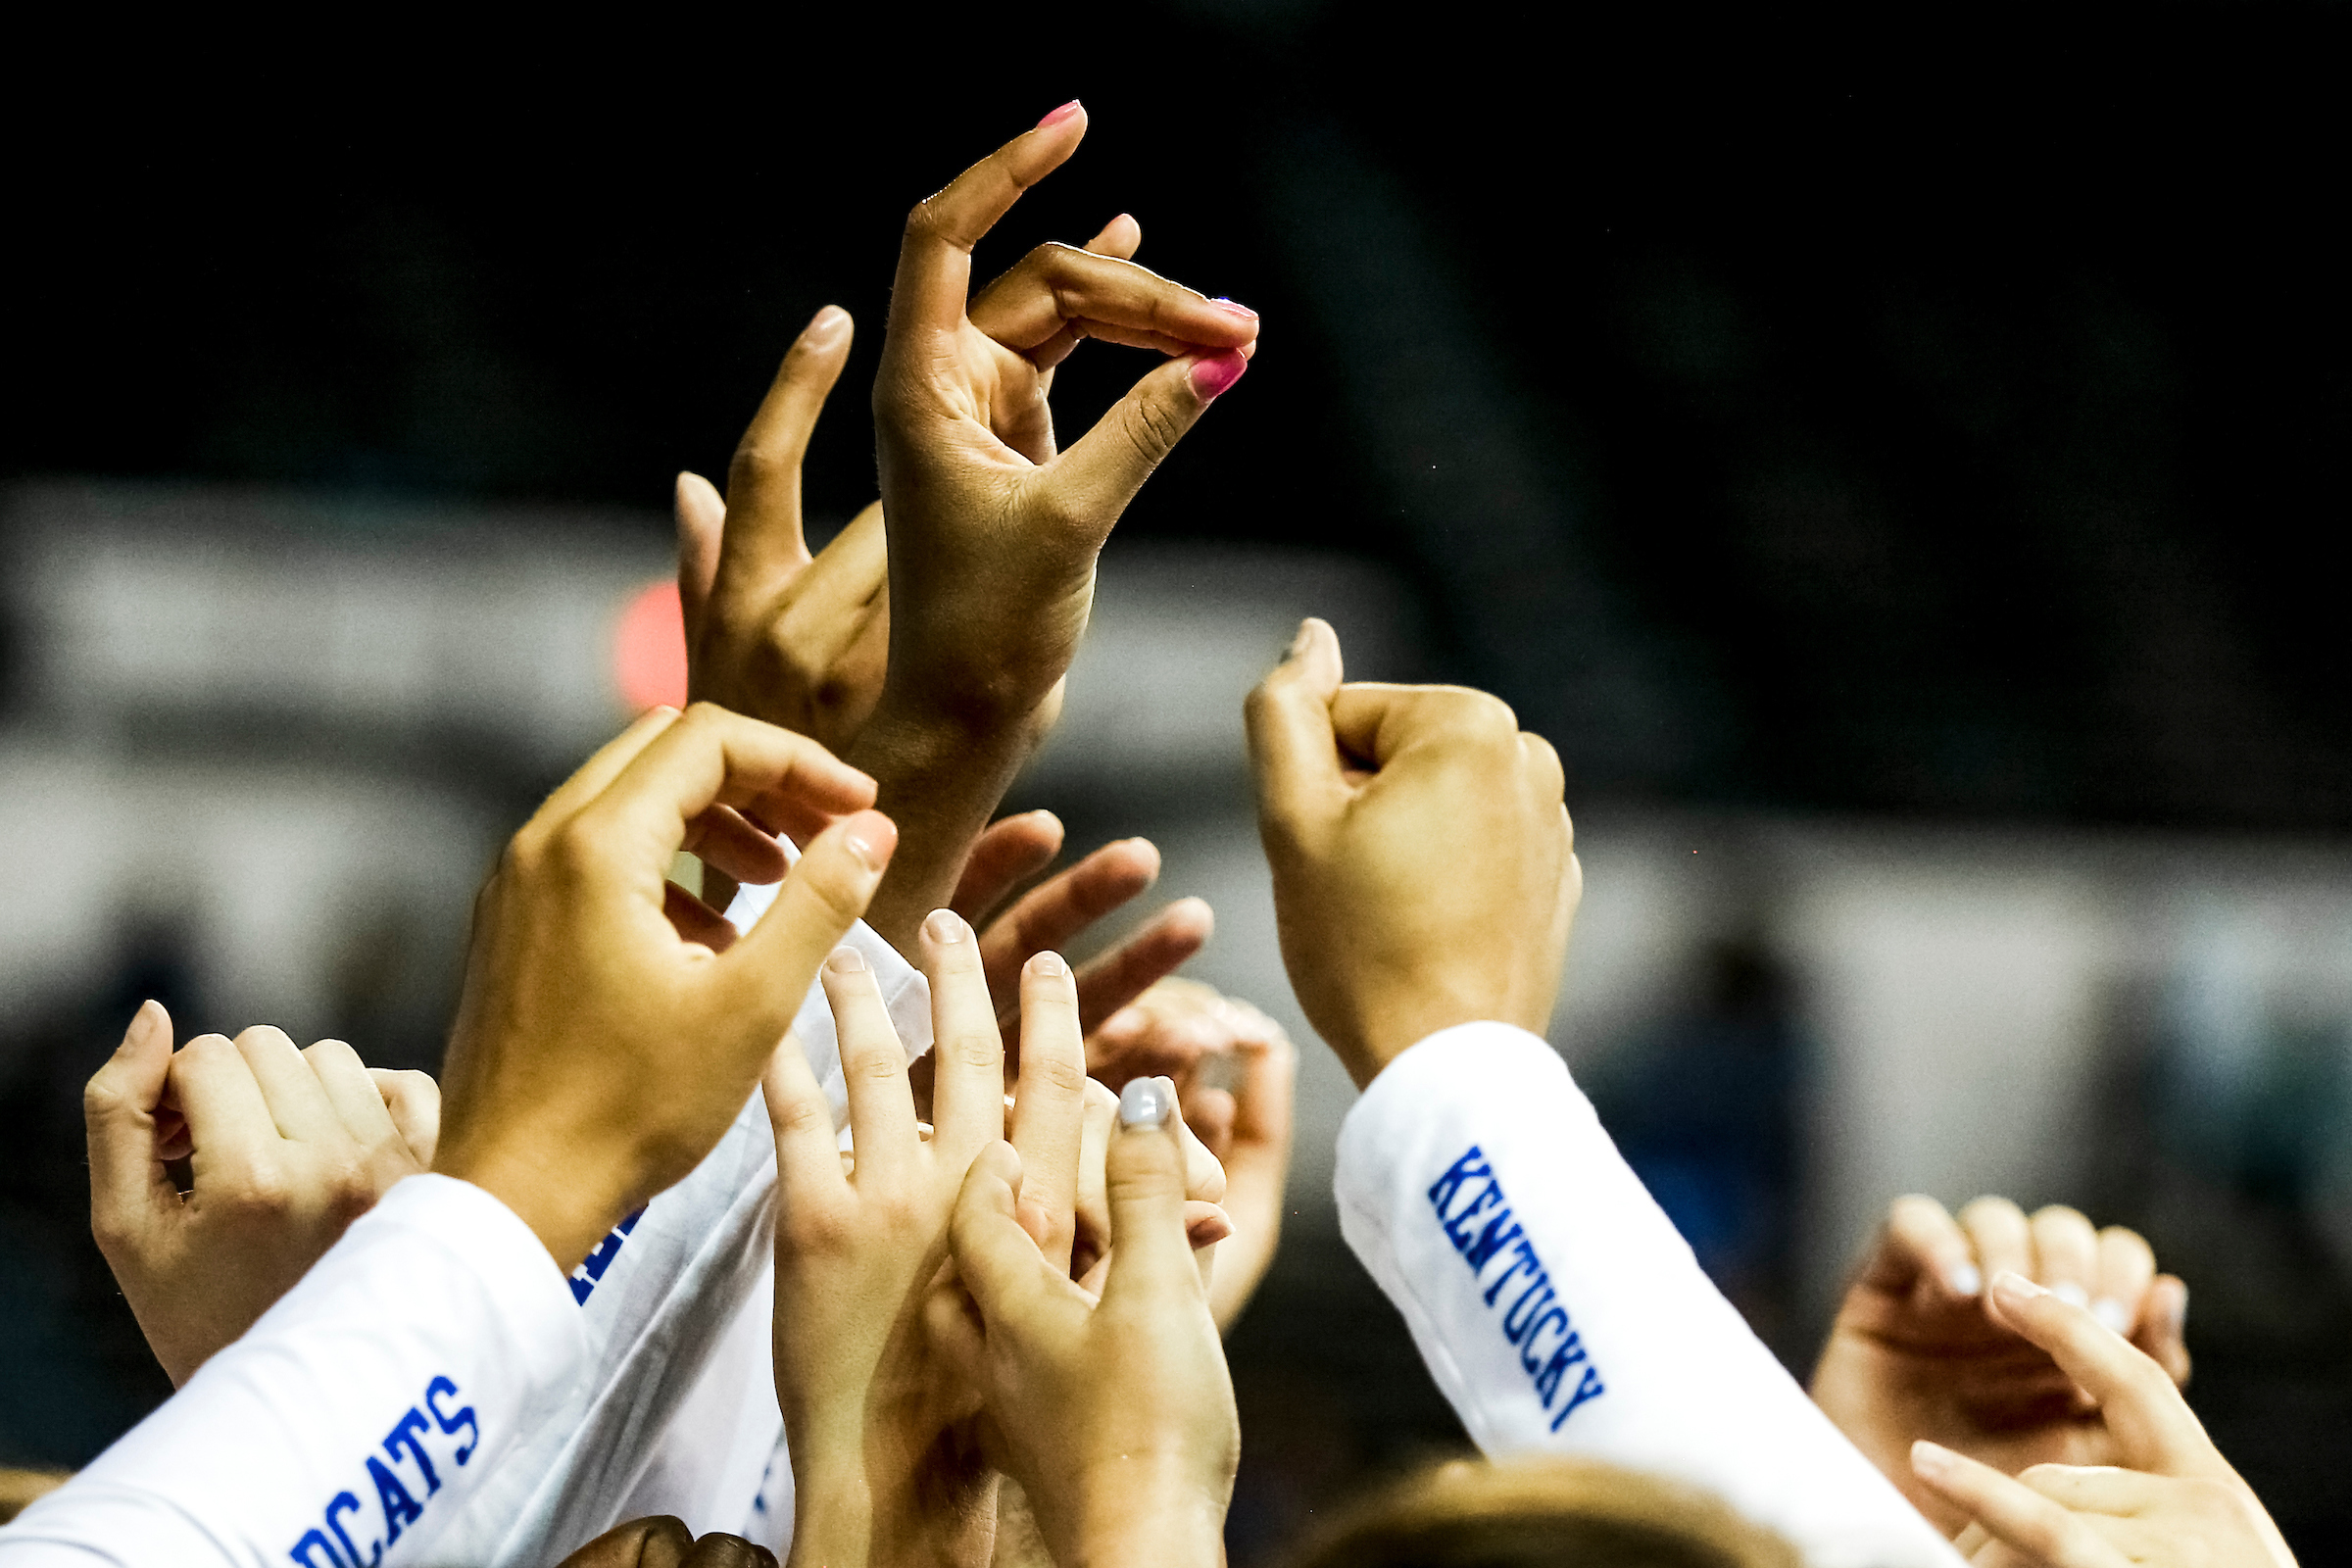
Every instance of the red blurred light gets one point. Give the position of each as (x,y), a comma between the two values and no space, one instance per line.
(649,650)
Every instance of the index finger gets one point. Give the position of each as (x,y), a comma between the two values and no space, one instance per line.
(229,1120)
(709,756)
(935,259)
(2153,1426)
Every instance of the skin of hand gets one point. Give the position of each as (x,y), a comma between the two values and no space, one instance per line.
(1049,915)
(285,1148)
(1114,1413)
(993,528)
(800,640)
(599,1051)
(663,1541)
(1186,1029)
(1918,1350)
(886,1463)
(1205,1222)
(1424,867)
(2167,1499)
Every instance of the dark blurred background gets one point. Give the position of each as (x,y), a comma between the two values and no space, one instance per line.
(1877,447)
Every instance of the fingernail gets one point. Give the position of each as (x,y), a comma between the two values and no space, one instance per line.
(1214,376)
(845,960)
(1965,1280)
(2015,1287)
(2112,1313)
(872,839)
(1209,1230)
(1298,646)
(1047,963)
(1145,1102)
(1234,306)
(945,927)
(2071,1293)
(825,324)
(1931,1458)
(1059,114)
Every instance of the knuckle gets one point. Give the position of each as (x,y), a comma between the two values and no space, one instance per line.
(1056,1074)
(1152,429)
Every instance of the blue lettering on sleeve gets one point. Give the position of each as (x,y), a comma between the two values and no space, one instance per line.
(345,1504)
(314,1540)
(592,1268)
(399,1509)
(450,1423)
(1537,1310)
(400,1506)
(403,1436)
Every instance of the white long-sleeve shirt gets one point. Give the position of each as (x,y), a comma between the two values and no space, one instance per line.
(356,1422)
(650,1391)
(1559,1308)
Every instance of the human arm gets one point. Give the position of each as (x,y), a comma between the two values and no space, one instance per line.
(1919,1350)
(2167,1499)
(285,1148)
(993,526)
(1424,879)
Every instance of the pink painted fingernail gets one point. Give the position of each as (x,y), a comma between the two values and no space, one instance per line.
(1214,376)
(1234,306)
(1059,114)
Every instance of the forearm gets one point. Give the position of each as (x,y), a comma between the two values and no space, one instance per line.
(940,775)
(1559,1310)
(365,1408)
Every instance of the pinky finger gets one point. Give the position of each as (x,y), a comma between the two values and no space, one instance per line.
(2163,1322)
(413,1100)
(2012,1512)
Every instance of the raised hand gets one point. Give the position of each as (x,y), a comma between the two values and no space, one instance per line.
(1204,1041)
(599,1053)
(1919,1351)
(1114,1413)
(885,1463)
(1424,870)
(2165,1497)
(286,1148)
(993,526)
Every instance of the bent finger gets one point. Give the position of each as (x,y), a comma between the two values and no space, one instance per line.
(1293,752)
(2164,1325)
(2002,1240)
(2065,1251)
(128,1183)
(2121,1277)
(357,1102)
(935,258)
(413,1100)
(1165,943)
(298,1102)
(1920,1242)
(1004,856)
(1049,915)
(2153,1426)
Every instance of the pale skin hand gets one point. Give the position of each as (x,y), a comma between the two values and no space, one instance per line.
(2168,1499)
(1186,1030)
(286,1148)
(993,527)
(1918,1350)
(1424,868)
(600,1051)
(1116,1414)
(885,1468)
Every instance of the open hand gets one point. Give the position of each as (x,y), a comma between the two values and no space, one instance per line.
(1918,1350)
(286,1148)
(2165,1497)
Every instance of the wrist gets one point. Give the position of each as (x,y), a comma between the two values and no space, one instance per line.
(567,1208)
(1135,1514)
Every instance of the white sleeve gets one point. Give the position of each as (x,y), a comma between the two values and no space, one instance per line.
(355,1421)
(676,1412)
(1559,1310)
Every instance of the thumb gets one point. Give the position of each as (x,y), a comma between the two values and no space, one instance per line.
(702,525)
(1095,478)
(1292,751)
(1150,1252)
(128,1183)
(998,1260)
(824,894)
